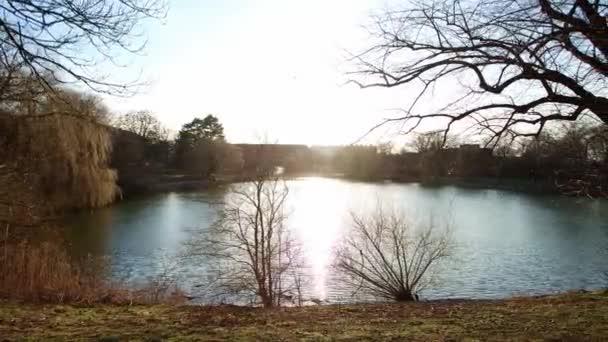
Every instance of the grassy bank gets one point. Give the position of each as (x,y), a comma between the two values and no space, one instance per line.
(569,316)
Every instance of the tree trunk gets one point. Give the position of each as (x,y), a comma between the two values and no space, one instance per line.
(266,300)
(405,296)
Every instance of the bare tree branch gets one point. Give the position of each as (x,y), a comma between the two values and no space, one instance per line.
(556,48)
(63,41)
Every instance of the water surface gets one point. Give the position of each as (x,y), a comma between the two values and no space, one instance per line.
(509,243)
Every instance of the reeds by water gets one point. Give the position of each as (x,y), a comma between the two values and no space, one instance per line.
(45,273)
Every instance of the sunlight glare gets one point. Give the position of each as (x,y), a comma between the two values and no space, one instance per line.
(318,224)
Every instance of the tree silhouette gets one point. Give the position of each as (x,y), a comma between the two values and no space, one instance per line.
(62,41)
(520,64)
(208,128)
(197,145)
(144,124)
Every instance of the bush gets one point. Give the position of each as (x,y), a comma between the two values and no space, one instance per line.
(385,256)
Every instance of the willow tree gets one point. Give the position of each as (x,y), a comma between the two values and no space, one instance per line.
(62,151)
(512,66)
(52,136)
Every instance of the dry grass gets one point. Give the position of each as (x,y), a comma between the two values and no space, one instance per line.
(564,317)
(45,273)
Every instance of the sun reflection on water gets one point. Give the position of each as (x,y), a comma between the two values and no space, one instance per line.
(318,224)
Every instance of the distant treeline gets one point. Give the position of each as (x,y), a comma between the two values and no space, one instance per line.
(574,159)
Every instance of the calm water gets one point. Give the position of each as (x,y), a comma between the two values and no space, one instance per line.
(509,243)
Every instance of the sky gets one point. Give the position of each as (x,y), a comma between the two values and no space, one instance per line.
(272,70)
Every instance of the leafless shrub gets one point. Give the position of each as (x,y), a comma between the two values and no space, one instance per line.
(385,256)
(249,250)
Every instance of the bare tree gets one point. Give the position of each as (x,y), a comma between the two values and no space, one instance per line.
(573,156)
(385,256)
(520,64)
(598,144)
(431,147)
(71,102)
(28,98)
(144,124)
(431,142)
(249,248)
(20,92)
(63,41)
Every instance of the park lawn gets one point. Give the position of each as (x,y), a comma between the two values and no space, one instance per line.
(575,316)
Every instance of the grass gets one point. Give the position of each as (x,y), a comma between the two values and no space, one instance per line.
(563,317)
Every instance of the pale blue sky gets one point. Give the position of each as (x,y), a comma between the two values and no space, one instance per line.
(270,68)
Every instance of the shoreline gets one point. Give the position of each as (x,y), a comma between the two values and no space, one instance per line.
(154,184)
(564,316)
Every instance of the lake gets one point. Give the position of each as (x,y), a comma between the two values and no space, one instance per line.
(509,243)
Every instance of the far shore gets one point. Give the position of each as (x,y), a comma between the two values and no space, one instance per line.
(160,183)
